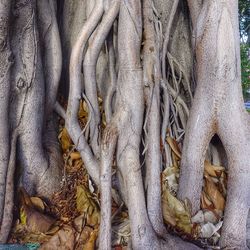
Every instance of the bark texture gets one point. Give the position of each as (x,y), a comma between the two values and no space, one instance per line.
(29,137)
(145,59)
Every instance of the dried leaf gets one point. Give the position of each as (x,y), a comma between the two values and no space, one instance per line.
(198,218)
(181,214)
(83,237)
(38,203)
(37,222)
(34,220)
(53,230)
(213,193)
(90,245)
(209,229)
(83,111)
(78,222)
(23,216)
(87,204)
(205,202)
(75,156)
(170,175)
(168,215)
(174,146)
(65,140)
(63,239)
(210,216)
(212,170)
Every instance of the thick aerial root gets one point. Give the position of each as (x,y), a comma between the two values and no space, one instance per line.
(154,165)
(235,138)
(72,124)
(198,135)
(152,76)
(108,146)
(6,224)
(25,106)
(218,98)
(5,57)
(31,154)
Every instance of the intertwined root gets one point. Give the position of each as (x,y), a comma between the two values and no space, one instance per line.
(122,136)
(130,126)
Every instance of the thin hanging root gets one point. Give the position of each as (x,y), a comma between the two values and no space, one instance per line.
(186,82)
(165,124)
(108,146)
(89,67)
(60,110)
(6,224)
(167,36)
(72,124)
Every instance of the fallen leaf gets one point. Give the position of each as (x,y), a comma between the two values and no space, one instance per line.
(205,202)
(198,218)
(38,203)
(210,216)
(63,239)
(53,230)
(181,214)
(75,156)
(36,221)
(170,175)
(33,219)
(213,193)
(174,146)
(168,215)
(83,111)
(209,229)
(65,140)
(83,237)
(212,170)
(78,222)
(90,245)
(87,204)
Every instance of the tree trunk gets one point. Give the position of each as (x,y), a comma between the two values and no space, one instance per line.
(145,59)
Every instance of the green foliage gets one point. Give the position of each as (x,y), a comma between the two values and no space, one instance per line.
(244,17)
(245,67)
(244,21)
(245,72)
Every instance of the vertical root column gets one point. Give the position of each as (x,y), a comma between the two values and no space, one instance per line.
(5,58)
(130,100)
(198,135)
(152,76)
(235,138)
(108,146)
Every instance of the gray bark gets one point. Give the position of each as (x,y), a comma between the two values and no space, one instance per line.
(143,59)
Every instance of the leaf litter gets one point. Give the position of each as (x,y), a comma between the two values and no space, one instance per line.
(71,219)
(206,224)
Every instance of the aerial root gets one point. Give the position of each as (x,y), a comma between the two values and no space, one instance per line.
(108,146)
